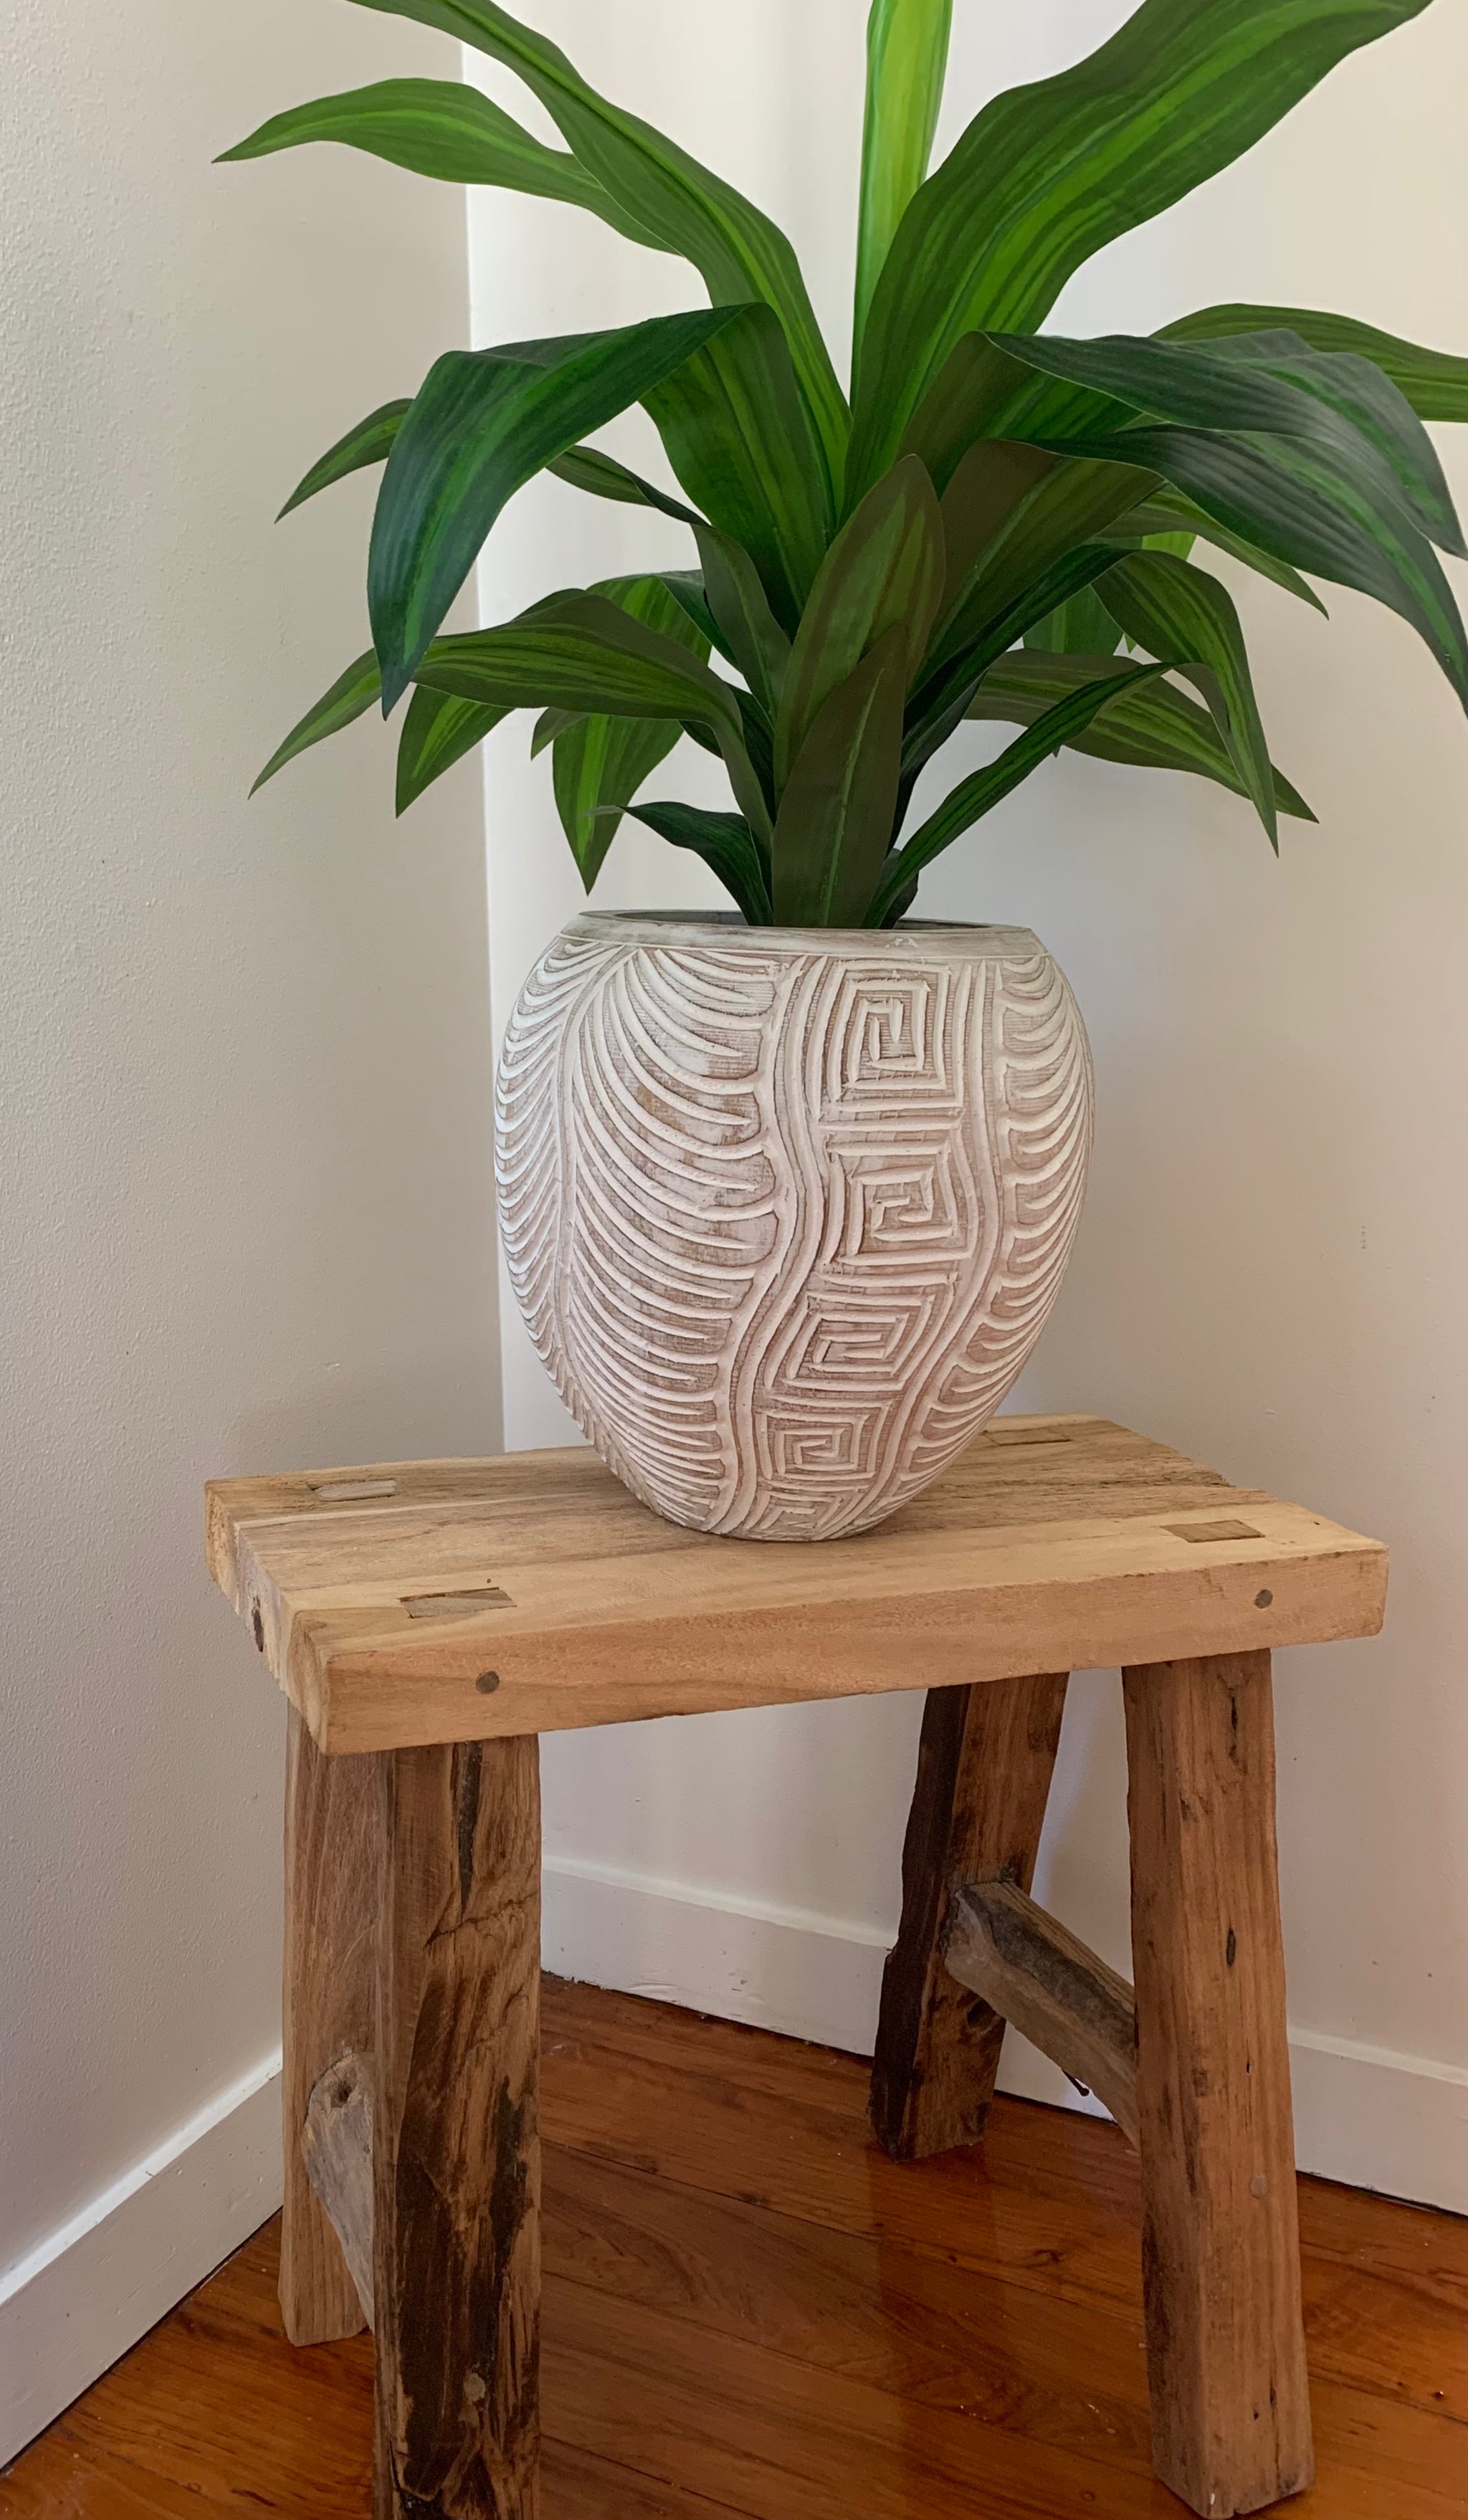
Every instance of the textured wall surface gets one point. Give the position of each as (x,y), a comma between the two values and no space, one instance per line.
(244,1142)
(1270,1270)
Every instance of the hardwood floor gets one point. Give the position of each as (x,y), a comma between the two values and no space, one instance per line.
(751,2314)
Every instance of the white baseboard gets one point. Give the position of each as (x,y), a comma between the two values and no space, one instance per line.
(100,2280)
(1363,2115)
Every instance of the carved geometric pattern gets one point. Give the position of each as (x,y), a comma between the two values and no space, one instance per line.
(785,1210)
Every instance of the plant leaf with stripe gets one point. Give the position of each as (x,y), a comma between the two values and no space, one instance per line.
(741,254)
(592,657)
(371,441)
(884,572)
(739,439)
(978,794)
(1185,618)
(437,731)
(448,130)
(1049,173)
(1166,511)
(906,60)
(724,842)
(1151,725)
(350,695)
(834,829)
(484,423)
(1292,500)
(600,762)
(1433,382)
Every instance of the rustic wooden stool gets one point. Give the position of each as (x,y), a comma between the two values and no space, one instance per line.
(434,1619)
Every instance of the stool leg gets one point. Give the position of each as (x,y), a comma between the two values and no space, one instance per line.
(984,1766)
(331,1811)
(456,2150)
(1220,2246)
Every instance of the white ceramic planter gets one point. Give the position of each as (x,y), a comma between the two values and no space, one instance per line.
(785,1208)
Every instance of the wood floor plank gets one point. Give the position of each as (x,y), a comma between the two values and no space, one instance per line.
(751,2314)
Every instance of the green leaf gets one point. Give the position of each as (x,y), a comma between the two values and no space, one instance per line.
(446,130)
(834,824)
(884,572)
(907,62)
(1166,511)
(484,423)
(592,657)
(727,596)
(1270,384)
(1011,513)
(1367,400)
(1298,502)
(1049,173)
(371,441)
(437,731)
(739,439)
(741,254)
(724,842)
(1151,725)
(601,762)
(1433,382)
(350,696)
(1081,627)
(1185,618)
(979,793)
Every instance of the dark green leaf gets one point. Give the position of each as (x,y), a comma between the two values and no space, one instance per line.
(1049,173)
(370,442)
(739,437)
(979,793)
(601,762)
(834,824)
(724,842)
(549,724)
(593,659)
(1296,501)
(1082,627)
(906,60)
(884,572)
(1151,725)
(999,552)
(1269,384)
(1185,618)
(350,696)
(1166,511)
(446,130)
(741,254)
(1433,382)
(484,423)
(586,468)
(437,731)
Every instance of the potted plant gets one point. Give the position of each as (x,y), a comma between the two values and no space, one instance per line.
(787,1195)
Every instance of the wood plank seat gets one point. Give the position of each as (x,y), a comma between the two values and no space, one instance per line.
(429,1619)
(412,1603)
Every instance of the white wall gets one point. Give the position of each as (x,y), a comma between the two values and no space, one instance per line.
(245,1210)
(1271,1269)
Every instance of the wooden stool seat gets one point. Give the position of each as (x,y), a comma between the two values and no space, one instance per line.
(434,1618)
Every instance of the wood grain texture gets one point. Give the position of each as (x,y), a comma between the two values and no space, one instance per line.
(749,2311)
(456,2136)
(1226,2347)
(331,1899)
(984,1764)
(1052,1543)
(1035,1972)
(336,2147)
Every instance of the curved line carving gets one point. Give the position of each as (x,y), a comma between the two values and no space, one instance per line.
(785,1210)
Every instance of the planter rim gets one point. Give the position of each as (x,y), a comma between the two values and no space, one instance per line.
(663,927)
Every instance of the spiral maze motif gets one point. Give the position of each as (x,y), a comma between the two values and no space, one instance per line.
(785,1212)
